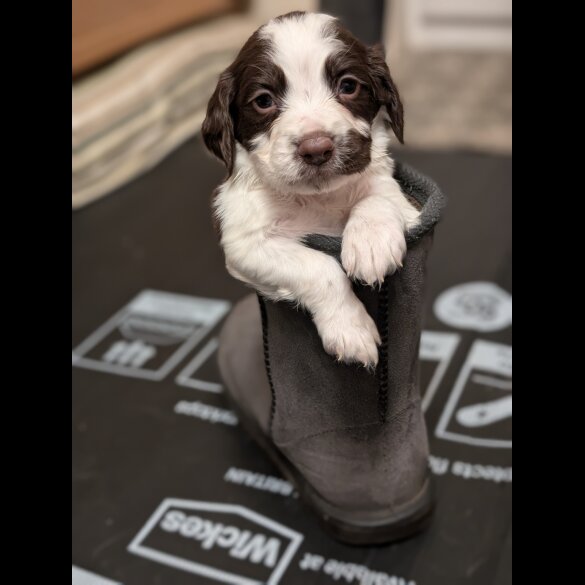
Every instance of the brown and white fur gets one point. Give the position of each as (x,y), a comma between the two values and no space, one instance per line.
(302,121)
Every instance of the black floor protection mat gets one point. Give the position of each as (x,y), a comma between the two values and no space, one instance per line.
(166,487)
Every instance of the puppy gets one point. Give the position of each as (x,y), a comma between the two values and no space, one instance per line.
(302,121)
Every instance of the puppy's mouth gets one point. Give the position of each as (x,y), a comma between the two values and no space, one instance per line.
(315,179)
(323,172)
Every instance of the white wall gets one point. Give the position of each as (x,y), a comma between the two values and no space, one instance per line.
(450,24)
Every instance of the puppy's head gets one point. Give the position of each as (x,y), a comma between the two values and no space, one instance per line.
(301,98)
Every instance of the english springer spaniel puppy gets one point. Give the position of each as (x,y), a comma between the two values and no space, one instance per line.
(302,121)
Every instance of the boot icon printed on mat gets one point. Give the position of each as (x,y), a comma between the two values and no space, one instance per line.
(129,353)
(479,409)
(201,372)
(150,335)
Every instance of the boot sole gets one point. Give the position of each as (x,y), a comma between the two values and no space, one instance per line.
(411,519)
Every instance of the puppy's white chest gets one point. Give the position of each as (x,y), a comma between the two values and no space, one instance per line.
(325,214)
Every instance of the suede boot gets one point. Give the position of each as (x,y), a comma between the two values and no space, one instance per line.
(353,442)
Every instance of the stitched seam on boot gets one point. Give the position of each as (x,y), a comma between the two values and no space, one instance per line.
(383,351)
(264,318)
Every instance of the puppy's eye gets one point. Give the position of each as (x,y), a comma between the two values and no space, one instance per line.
(348,86)
(263,103)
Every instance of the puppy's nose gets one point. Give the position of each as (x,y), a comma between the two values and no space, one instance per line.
(316,149)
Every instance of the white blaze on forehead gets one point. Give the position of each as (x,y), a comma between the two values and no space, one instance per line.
(300,46)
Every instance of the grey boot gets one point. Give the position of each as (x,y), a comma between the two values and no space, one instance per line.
(353,442)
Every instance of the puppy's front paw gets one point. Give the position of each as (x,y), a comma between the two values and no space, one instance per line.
(370,251)
(351,336)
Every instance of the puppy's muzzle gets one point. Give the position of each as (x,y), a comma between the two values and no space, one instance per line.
(316,149)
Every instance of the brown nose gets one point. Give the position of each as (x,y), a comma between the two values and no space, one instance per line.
(316,150)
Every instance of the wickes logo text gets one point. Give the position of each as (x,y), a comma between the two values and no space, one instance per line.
(242,544)
(229,543)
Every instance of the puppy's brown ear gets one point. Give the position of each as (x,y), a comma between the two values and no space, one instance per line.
(218,126)
(385,90)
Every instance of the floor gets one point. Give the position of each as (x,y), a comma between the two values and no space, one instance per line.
(154,441)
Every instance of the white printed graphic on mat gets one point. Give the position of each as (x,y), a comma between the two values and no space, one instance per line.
(185,376)
(348,572)
(83,577)
(259,481)
(150,335)
(225,542)
(439,347)
(133,353)
(207,412)
(480,306)
(479,409)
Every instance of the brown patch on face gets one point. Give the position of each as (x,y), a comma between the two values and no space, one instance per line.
(353,151)
(255,71)
(231,115)
(369,67)
(351,61)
